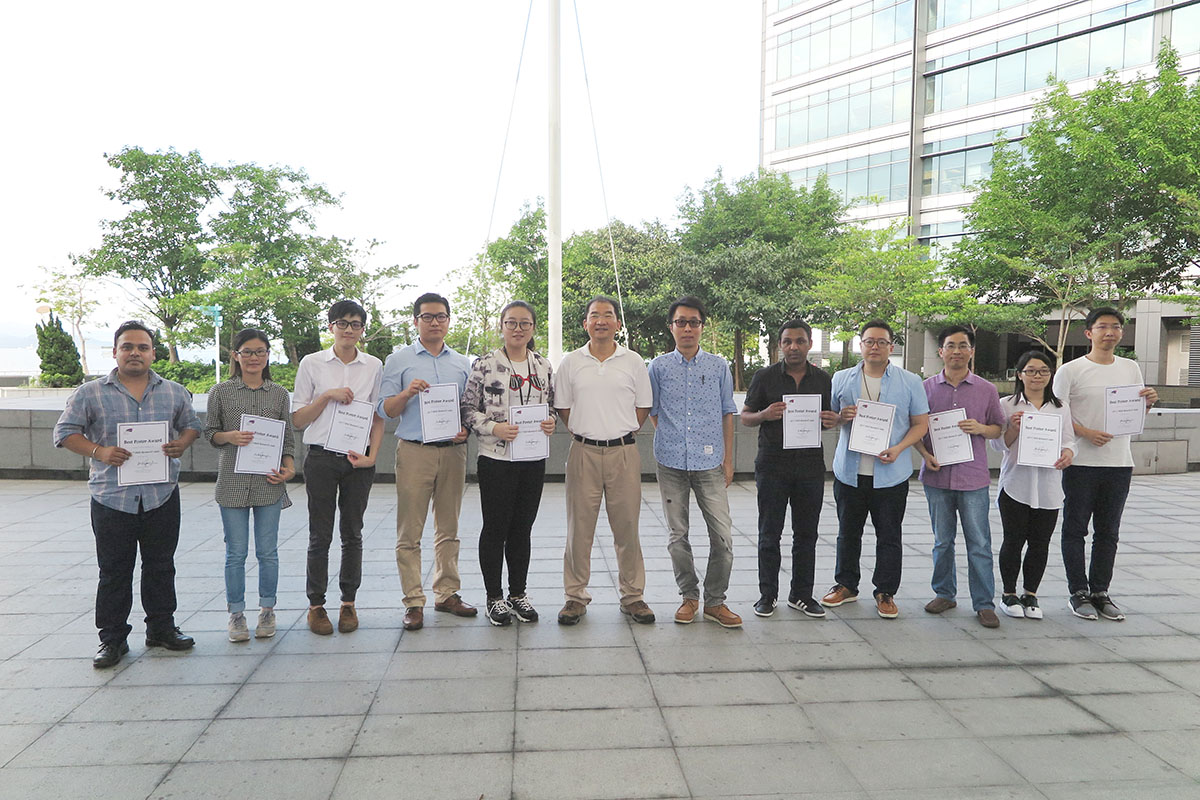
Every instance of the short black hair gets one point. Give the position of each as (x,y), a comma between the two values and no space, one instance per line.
(600,298)
(133,325)
(946,333)
(878,323)
(346,308)
(1102,311)
(793,324)
(687,301)
(533,313)
(429,297)
(243,336)
(1019,385)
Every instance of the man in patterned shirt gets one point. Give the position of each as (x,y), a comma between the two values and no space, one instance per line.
(126,519)
(693,447)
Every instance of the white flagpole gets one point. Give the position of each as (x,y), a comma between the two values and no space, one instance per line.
(554,194)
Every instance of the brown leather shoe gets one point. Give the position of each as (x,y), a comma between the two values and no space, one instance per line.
(318,622)
(414,618)
(988,618)
(687,611)
(640,612)
(722,616)
(571,612)
(838,595)
(347,619)
(885,606)
(456,606)
(939,604)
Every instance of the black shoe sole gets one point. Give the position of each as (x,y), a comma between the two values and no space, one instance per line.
(173,646)
(568,620)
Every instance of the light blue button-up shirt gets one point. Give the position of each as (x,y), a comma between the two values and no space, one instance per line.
(899,387)
(409,363)
(691,398)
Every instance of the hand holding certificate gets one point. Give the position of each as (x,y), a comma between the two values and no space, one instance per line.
(350,430)
(147,462)
(951,445)
(1040,442)
(871,431)
(532,443)
(264,452)
(441,418)
(1124,410)
(801,421)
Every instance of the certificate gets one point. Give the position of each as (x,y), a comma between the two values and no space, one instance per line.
(441,418)
(1124,410)
(350,428)
(951,445)
(148,463)
(1040,441)
(871,430)
(801,421)
(531,444)
(264,452)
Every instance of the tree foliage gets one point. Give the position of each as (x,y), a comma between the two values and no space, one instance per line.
(60,359)
(70,292)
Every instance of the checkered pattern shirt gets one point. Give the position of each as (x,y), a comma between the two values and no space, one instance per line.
(227,401)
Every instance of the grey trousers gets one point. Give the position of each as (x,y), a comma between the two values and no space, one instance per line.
(676,486)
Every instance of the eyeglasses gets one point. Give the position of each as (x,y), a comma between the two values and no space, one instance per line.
(515,382)
(953,346)
(688,323)
(1103,328)
(258,352)
(342,324)
(1036,373)
(442,317)
(512,324)
(876,342)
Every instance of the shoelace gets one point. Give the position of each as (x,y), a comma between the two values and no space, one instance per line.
(520,603)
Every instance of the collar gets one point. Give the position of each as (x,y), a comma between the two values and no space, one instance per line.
(620,351)
(780,367)
(111,378)
(237,383)
(332,356)
(858,370)
(419,347)
(941,378)
(679,359)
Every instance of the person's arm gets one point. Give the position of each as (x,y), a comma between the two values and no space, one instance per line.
(473,416)
(727,436)
(565,415)
(80,445)
(931,462)
(756,410)
(360,461)
(918,426)
(176,447)
(642,413)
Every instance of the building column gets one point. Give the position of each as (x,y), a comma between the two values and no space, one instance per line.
(1149,342)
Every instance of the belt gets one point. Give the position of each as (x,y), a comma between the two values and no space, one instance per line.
(446,443)
(316,448)
(626,439)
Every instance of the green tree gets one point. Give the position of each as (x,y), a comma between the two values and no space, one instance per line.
(60,359)
(70,292)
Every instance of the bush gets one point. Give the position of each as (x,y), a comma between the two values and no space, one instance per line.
(58,354)
(199,377)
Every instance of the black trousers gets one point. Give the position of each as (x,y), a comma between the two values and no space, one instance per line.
(1024,526)
(777,490)
(886,507)
(119,536)
(509,493)
(1095,494)
(333,484)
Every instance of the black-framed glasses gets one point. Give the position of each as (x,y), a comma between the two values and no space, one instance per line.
(876,342)
(258,352)
(440,317)
(1036,373)
(352,324)
(688,323)
(515,382)
(513,324)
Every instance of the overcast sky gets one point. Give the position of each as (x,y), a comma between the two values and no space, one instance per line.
(398,107)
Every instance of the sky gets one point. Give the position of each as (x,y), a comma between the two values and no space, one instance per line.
(399,107)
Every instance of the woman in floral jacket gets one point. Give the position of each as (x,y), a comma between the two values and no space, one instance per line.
(509,490)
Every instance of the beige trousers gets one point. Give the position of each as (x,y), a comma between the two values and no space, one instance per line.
(424,473)
(613,474)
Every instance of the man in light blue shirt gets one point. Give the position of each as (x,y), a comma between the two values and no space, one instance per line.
(874,484)
(434,471)
(693,446)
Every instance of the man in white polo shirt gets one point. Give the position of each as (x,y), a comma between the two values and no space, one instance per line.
(602,392)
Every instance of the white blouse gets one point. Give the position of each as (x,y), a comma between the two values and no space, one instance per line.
(1036,487)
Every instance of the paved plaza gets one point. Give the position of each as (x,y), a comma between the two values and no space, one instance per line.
(852,706)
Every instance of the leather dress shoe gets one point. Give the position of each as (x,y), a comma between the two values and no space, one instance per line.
(173,639)
(109,654)
(414,618)
(457,606)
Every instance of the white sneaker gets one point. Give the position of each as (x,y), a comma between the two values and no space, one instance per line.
(1032,609)
(1010,604)
(238,632)
(266,624)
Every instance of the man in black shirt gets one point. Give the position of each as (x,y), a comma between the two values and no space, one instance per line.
(794,477)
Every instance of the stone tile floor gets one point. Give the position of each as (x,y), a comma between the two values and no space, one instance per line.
(788,707)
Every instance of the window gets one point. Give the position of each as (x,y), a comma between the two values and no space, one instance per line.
(981,82)
(1139,36)
(844,35)
(951,168)
(954,89)
(1185,31)
(1010,75)
(1039,65)
(1072,59)
(881,107)
(1107,50)
(978,165)
(839,111)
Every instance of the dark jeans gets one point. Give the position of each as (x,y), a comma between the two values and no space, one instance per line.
(509,494)
(119,536)
(777,490)
(886,507)
(1097,494)
(1024,526)
(331,482)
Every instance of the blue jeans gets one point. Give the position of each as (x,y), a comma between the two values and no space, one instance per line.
(237,543)
(946,508)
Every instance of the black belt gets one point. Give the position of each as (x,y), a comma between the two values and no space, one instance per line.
(446,443)
(626,439)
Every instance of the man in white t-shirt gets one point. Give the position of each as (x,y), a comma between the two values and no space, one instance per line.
(603,395)
(1097,482)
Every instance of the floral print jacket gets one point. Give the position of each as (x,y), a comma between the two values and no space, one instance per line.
(485,401)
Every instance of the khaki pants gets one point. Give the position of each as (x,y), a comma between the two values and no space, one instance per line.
(422,473)
(614,474)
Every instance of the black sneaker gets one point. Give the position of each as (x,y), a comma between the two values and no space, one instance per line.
(1081,606)
(1032,609)
(765,606)
(498,612)
(1107,608)
(1011,604)
(808,605)
(522,609)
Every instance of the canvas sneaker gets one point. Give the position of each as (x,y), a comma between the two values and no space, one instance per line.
(265,628)
(238,632)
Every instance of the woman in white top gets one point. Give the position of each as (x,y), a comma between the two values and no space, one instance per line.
(1030,497)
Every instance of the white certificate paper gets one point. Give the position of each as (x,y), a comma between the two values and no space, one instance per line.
(531,444)
(441,418)
(1124,410)
(801,421)
(1040,441)
(871,430)
(351,427)
(950,444)
(145,441)
(265,451)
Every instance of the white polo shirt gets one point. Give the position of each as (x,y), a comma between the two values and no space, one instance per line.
(320,372)
(1081,384)
(602,395)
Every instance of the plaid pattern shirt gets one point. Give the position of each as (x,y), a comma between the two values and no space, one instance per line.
(227,401)
(95,410)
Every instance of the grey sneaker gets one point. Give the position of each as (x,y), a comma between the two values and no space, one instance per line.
(238,632)
(498,612)
(1107,608)
(1081,605)
(265,628)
